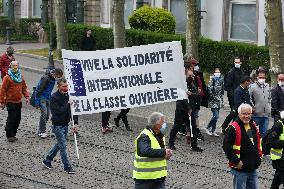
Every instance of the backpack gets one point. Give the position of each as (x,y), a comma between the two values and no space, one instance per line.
(265,143)
(32,99)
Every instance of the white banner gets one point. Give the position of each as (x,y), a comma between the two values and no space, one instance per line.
(114,79)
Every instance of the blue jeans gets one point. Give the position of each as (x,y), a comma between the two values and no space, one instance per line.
(263,123)
(60,134)
(243,180)
(44,115)
(150,184)
(215,116)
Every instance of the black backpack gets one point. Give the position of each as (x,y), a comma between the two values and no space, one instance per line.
(265,143)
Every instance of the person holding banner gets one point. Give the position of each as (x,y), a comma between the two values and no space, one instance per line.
(123,115)
(61,115)
(151,155)
(184,114)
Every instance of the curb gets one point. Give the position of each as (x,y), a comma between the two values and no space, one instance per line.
(37,57)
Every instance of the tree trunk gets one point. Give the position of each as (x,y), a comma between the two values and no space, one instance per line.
(274,27)
(191,28)
(61,32)
(118,23)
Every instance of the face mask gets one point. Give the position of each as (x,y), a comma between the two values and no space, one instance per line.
(189,79)
(238,66)
(282,114)
(10,54)
(196,68)
(163,128)
(261,81)
(217,74)
(281,84)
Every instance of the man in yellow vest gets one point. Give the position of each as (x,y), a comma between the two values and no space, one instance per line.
(151,155)
(276,142)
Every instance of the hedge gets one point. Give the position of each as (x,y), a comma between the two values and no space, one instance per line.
(211,53)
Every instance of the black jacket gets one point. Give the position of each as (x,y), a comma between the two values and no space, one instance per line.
(88,43)
(277,102)
(194,98)
(60,110)
(232,81)
(249,152)
(241,95)
(274,142)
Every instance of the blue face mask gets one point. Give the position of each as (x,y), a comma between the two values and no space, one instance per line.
(163,128)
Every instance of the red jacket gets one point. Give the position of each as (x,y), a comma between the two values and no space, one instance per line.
(5,61)
(12,91)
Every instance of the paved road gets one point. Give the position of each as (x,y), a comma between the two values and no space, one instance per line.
(106,160)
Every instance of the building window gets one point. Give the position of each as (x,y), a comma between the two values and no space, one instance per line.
(177,8)
(36,8)
(105,11)
(243,23)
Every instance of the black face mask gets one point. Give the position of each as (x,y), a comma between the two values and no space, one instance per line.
(10,54)
(189,79)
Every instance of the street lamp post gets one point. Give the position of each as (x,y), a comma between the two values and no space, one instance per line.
(44,12)
(51,38)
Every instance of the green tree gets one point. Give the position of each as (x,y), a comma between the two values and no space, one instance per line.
(192,30)
(118,23)
(274,27)
(61,32)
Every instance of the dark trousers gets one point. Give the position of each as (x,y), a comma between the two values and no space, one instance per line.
(13,119)
(105,118)
(150,184)
(278,179)
(231,116)
(123,115)
(178,123)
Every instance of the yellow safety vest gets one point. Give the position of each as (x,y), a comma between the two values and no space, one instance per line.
(149,168)
(277,153)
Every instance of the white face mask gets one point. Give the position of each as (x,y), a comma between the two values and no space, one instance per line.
(237,65)
(261,81)
(281,84)
(282,114)
(196,68)
(217,74)
(163,128)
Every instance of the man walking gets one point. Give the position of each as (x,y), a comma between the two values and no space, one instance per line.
(42,97)
(261,98)
(5,61)
(232,81)
(151,155)
(61,115)
(242,146)
(277,101)
(13,87)
(276,142)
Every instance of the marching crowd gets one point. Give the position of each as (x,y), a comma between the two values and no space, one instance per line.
(251,100)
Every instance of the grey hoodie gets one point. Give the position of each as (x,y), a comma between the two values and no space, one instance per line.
(261,98)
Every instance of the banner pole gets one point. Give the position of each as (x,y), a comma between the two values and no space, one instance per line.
(74,134)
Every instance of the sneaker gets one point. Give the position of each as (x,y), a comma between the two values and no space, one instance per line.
(200,136)
(69,170)
(46,164)
(109,129)
(12,139)
(104,130)
(42,135)
(180,133)
(196,149)
(208,132)
(215,134)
